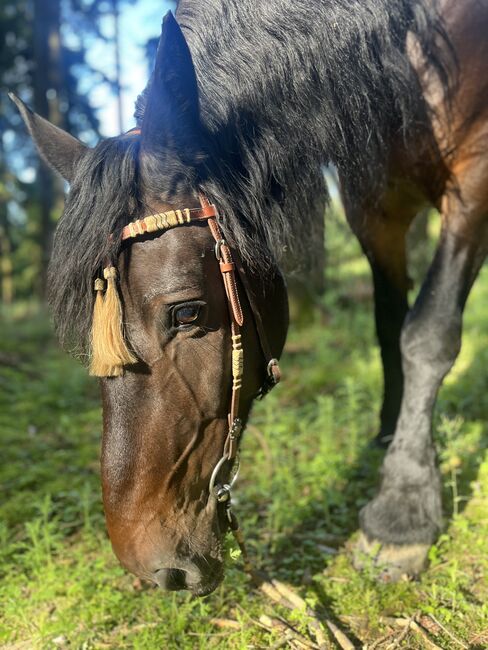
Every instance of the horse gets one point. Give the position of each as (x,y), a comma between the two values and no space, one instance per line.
(165,265)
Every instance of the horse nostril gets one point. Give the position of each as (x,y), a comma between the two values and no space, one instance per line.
(171,579)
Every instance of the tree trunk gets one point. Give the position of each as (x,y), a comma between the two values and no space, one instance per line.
(6,264)
(47,88)
(118,83)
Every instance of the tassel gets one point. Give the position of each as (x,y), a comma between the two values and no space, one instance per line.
(97,366)
(109,350)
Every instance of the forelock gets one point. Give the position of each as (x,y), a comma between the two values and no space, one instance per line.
(102,199)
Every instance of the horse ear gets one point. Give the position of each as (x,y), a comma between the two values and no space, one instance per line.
(59,149)
(171,112)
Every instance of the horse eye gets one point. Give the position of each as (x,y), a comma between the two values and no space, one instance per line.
(185,315)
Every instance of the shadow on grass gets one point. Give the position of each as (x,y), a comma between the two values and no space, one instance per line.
(358,482)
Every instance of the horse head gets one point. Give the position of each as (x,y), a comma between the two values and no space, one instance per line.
(179,306)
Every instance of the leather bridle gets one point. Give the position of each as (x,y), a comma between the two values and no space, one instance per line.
(231,267)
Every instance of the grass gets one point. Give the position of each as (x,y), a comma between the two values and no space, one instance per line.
(306,470)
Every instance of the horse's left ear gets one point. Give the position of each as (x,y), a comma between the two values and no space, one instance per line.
(59,149)
(171,115)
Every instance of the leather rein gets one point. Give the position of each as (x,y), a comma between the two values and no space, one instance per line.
(230,267)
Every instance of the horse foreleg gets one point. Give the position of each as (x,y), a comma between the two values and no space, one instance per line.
(382,236)
(403,520)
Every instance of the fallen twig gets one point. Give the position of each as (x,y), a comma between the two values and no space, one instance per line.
(283,595)
(317,631)
(296,600)
(379,641)
(446,631)
(429,625)
(287,630)
(315,624)
(339,636)
(402,622)
(279,644)
(479,637)
(270,590)
(403,635)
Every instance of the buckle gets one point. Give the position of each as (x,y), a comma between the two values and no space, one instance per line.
(222,493)
(235,429)
(218,245)
(233,436)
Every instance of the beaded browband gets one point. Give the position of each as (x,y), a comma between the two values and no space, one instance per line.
(167,220)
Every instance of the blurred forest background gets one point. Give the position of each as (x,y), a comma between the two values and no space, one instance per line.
(80,64)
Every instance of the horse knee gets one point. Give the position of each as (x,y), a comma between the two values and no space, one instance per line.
(431,345)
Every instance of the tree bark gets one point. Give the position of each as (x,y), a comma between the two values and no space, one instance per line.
(6,264)
(47,88)
(118,83)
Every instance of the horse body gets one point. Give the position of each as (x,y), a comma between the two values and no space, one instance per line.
(419,345)
(272,91)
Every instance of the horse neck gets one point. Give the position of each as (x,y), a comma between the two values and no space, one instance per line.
(287,86)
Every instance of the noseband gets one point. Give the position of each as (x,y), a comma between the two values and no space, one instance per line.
(230,270)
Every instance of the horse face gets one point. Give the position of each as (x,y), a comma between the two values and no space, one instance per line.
(165,419)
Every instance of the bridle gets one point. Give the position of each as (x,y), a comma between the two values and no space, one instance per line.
(231,267)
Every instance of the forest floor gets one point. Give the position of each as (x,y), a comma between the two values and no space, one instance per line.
(307,468)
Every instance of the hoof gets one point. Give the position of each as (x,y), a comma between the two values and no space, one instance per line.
(390,562)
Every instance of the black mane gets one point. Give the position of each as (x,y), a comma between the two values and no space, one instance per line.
(289,85)
(102,199)
(286,86)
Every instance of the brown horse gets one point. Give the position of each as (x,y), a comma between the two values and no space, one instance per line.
(247,100)
(419,346)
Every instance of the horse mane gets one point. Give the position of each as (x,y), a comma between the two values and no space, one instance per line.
(140,105)
(102,199)
(285,86)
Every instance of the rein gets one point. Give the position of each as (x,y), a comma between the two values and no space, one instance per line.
(231,267)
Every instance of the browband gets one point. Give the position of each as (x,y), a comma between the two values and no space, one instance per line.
(167,220)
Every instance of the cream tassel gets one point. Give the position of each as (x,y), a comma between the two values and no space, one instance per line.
(109,350)
(96,363)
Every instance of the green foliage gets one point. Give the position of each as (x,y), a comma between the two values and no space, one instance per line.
(57,82)
(306,470)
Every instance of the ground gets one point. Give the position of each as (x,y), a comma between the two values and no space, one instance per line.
(307,468)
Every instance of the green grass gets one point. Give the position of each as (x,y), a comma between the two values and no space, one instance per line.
(301,486)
